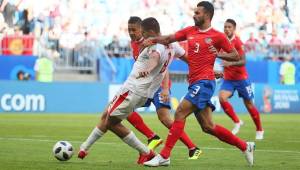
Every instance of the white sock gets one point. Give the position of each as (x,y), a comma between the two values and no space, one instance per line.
(135,143)
(93,137)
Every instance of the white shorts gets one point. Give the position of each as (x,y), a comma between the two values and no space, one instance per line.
(124,103)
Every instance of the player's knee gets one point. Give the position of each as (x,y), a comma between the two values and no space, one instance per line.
(207,128)
(166,122)
(222,98)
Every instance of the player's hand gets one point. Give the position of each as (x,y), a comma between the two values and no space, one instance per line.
(147,42)
(165,95)
(143,74)
(213,50)
(218,74)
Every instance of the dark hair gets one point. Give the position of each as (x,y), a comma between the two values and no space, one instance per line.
(209,7)
(231,21)
(151,24)
(134,20)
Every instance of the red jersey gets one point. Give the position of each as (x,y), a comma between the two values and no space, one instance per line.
(236,72)
(135,45)
(200,59)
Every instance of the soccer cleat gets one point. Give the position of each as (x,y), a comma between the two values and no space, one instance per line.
(194,153)
(259,135)
(237,127)
(145,157)
(154,142)
(158,160)
(249,153)
(82,154)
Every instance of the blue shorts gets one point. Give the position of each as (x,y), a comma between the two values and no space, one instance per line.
(200,94)
(157,101)
(242,86)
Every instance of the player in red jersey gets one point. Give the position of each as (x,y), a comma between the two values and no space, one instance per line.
(160,100)
(236,78)
(204,42)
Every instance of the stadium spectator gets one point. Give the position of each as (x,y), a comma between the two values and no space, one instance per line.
(114,48)
(252,43)
(287,71)
(22,76)
(44,67)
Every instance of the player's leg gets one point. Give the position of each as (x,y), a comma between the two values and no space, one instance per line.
(164,116)
(226,92)
(245,91)
(137,121)
(204,117)
(184,109)
(256,118)
(95,135)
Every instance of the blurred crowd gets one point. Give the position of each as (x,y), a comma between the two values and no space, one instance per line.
(269,28)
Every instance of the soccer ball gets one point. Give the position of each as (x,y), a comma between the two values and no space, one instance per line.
(63,150)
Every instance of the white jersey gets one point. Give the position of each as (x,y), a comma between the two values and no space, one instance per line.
(148,85)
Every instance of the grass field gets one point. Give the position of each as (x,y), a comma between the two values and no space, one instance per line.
(26,142)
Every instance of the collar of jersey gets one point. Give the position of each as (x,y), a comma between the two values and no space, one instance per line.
(232,38)
(205,30)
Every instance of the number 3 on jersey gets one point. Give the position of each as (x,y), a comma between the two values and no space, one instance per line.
(197,47)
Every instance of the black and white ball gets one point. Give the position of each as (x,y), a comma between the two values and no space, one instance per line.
(63,150)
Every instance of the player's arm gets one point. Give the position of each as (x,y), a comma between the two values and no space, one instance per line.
(231,56)
(152,63)
(241,62)
(184,58)
(166,39)
(165,88)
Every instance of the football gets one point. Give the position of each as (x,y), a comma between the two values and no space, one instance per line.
(63,150)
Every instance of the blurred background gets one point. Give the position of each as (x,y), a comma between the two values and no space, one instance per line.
(72,55)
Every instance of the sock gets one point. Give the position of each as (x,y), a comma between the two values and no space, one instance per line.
(227,137)
(184,138)
(256,118)
(135,143)
(136,120)
(229,111)
(93,137)
(174,134)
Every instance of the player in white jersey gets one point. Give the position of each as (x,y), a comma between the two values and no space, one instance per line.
(146,77)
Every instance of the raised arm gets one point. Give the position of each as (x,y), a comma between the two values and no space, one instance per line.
(166,39)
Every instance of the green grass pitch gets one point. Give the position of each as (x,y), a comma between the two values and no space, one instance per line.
(26,142)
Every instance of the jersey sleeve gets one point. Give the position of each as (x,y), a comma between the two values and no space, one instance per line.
(178,50)
(224,43)
(181,35)
(155,48)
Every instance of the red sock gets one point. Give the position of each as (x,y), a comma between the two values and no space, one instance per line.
(174,134)
(184,138)
(256,118)
(226,136)
(136,120)
(229,111)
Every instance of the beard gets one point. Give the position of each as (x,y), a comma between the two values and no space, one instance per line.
(199,22)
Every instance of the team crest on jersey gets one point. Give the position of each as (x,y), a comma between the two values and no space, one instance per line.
(208,40)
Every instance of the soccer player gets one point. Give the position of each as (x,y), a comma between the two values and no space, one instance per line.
(204,42)
(160,100)
(144,80)
(236,79)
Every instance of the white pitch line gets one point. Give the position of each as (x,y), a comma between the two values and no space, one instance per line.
(117,144)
